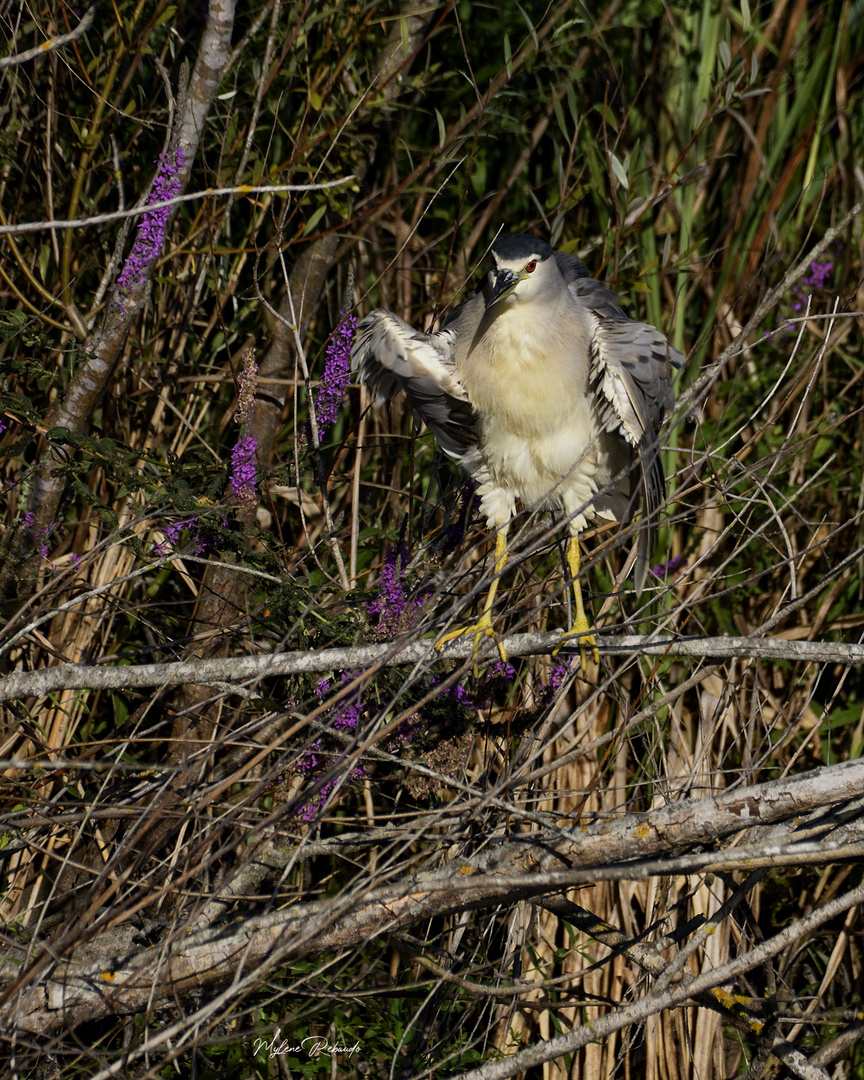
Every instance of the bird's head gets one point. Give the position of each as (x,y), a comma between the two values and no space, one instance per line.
(524,269)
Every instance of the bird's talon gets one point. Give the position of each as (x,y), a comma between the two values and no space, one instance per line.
(480,629)
(587,641)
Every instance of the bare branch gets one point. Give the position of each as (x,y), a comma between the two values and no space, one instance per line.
(190,196)
(52,43)
(506,871)
(240,669)
(651,1004)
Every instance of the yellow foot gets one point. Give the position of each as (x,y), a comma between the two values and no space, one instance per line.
(482,628)
(582,630)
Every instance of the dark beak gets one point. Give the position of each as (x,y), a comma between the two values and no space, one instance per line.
(505,280)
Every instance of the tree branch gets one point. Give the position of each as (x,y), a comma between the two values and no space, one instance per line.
(52,43)
(242,669)
(74,990)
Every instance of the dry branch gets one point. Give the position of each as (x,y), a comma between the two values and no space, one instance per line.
(52,43)
(652,1003)
(122,980)
(246,190)
(243,669)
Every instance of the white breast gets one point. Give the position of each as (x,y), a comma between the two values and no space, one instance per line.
(539,430)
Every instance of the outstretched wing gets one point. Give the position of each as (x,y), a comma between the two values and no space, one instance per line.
(392,356)
(631,377)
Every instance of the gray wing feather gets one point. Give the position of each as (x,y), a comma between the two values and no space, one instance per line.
(631,377)
(391,356)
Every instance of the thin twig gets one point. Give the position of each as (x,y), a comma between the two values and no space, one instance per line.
(191,196)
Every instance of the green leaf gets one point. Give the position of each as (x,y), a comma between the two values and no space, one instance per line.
(316,217)
(619,170)
(530,26)
(11,324)
(478,177)
(573,106)
(559,116)
(442,129)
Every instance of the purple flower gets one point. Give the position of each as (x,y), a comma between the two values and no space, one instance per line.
(349,712)
(674,564)
(308,810)
(150,235)
(309,762)
(502,670)
(814,281)
(817,278)
(557,677)
(42,536)
(391,609)
(346,716)
(337,372)
(243,471)
(496,681)
(463,697)
(173,531)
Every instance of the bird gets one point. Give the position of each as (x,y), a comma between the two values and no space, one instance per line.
(546,393)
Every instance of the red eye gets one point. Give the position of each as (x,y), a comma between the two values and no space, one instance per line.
(531,266)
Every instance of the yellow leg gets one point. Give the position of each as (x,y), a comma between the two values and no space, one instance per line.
(483,626)
(580,622)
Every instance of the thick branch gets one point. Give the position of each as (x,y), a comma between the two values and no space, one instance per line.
(75,991)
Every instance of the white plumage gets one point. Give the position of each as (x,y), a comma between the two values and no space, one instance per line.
(542,389)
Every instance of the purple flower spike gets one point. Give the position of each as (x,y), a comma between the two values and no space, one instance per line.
(173,530)
(337,372)
(151,229)
(389,607)
(349,712)
(816,280)
(243,472)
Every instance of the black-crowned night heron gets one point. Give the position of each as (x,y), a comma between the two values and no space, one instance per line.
(545,392)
